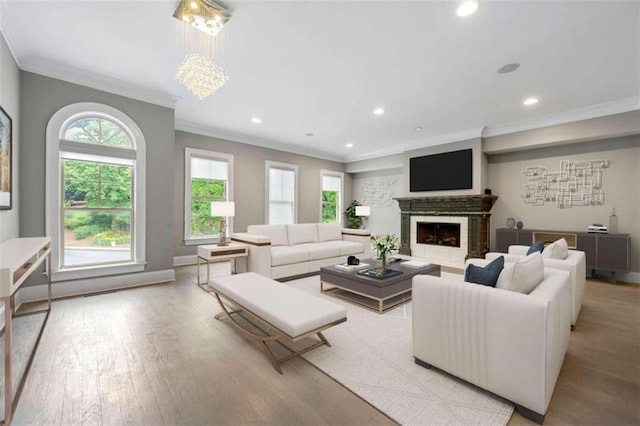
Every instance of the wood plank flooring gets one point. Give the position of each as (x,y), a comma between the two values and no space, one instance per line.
(155,355)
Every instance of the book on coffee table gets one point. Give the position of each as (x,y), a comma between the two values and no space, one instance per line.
(359,267)
(415,264)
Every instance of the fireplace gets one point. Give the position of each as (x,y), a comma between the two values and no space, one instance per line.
(438,234)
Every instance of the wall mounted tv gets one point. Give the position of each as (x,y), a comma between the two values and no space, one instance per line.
(441,172)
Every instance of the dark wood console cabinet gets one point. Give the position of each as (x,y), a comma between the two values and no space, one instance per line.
(604,252)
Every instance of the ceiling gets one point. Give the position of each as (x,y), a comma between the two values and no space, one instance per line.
(321,67)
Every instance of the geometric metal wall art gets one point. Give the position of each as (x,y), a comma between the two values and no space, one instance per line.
(578,183)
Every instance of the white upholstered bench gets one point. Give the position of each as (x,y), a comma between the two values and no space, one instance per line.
(286,311)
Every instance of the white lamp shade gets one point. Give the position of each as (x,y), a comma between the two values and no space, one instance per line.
(363,211)
(223,208)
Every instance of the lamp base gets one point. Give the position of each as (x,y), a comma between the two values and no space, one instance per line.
(222,238)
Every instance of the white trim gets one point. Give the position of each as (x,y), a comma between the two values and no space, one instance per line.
(96,271)
(56,123)
(207,155)
(198,129)
(94,285)
(592,111)
(268,164)
(98,82)
(340,206)
(184,260)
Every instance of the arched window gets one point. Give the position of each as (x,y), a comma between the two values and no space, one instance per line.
(95,198)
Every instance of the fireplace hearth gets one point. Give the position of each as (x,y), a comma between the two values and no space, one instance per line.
(438,234)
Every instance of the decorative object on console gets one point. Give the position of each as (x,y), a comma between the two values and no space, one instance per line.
(5,160)
(511,223)
(363,212)
(384,245)
(519,224)
(613,222)
(487,275)
(353,221)
(223,209)
(578,183)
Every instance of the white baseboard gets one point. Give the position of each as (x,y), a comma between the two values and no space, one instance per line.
(94,285)
(184,260)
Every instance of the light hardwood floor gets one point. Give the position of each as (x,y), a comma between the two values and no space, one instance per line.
(155,355)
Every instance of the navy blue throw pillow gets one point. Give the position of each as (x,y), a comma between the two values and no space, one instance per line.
(485,276)
(537,246)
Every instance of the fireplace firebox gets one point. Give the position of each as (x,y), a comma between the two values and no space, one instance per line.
(438,233)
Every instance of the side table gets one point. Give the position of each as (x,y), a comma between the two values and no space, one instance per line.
(214,253)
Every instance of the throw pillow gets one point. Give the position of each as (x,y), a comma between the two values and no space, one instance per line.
(487,275)
(506,276)
(528,272)
(557,250)
(537,246)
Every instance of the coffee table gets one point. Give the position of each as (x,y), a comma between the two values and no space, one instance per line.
(378,295)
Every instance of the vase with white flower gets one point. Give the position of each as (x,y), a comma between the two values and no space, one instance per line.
(384,245)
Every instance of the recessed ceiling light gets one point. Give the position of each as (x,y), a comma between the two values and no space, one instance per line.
(308,135)
(508,68)
(530,101)
(349,145)
(468,7)
(417,129)
(378,111)
(256,120)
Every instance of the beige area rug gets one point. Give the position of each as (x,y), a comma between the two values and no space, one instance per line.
(371,354)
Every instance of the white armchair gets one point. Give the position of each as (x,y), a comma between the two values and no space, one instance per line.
(509,343)
(575,264)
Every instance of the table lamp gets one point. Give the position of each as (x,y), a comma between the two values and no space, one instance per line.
(224,209)
(363,212)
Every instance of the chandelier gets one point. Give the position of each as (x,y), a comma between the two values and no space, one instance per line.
(200,75)
(197,72)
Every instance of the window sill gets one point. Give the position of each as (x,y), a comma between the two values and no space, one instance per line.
(96,271)
(200,241)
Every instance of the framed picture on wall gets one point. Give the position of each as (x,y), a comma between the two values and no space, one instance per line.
(5,160)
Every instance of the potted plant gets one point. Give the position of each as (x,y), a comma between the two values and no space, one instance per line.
(384,245)
(353,221)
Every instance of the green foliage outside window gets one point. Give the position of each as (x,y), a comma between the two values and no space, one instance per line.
(329,206)
(203,192)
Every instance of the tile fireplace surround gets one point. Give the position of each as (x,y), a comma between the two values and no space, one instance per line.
(471,211)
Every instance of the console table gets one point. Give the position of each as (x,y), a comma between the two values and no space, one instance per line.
(19,257)
(604,252)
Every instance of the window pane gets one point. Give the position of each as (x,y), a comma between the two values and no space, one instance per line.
(115,195)
(92,184)
(202,224)
(280,213)
(214,189)
(331,183)
(209,169)
(96,237)
(329,206)
(97,131)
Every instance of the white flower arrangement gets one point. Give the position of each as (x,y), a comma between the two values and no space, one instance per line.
(385,244)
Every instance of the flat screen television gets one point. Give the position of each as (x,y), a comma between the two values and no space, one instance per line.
(441,172)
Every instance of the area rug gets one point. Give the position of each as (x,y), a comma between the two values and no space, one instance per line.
(371,354)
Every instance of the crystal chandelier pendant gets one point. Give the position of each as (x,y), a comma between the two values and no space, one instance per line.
(201,75)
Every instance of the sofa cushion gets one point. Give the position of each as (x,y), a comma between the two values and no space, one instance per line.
(528,272)
(346,247)
(277,233)
(319,251)
(537,246)
(286,255)
(487,275)
(557,250)
(329,232)
(301,233)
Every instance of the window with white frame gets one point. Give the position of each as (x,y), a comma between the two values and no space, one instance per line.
(208,177)
(95,192)
(282,190)
(331,196)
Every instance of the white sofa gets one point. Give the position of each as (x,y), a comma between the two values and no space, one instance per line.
(509,343)
(279,251)
(575,264)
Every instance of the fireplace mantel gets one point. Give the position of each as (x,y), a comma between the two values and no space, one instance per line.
(475,207)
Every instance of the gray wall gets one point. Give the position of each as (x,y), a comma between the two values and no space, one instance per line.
(10,102)
(249,185)
(621,185)
(41,97)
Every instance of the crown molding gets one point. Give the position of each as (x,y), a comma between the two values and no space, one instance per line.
(579,114)
(98,81)
(198,129)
